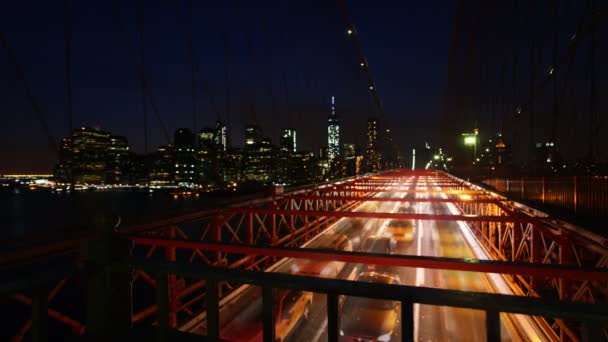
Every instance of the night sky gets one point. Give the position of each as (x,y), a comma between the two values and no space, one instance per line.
(279,61)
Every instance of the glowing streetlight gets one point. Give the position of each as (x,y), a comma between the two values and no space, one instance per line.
(466,197)
(470,139)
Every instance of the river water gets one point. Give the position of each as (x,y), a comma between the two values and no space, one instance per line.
(44,212)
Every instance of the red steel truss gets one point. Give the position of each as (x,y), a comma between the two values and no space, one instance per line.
(523,238)
(538,255)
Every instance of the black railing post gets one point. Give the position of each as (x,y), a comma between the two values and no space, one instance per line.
(39,315)
(407,321)
(162,306)
(213,311)
(332,317)
(109,308)
(268,314)
(592,331)
(492,325)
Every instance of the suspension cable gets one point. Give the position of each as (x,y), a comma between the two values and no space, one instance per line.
(28,93)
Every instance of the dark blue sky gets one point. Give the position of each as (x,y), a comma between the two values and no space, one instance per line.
(284,61)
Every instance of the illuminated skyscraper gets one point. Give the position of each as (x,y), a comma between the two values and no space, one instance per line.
(185,157)
(93,156)
(288,140)
(257,155)
(372,152)
(221,136)
(333,133)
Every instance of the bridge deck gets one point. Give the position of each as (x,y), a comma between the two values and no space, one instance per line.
(240,317)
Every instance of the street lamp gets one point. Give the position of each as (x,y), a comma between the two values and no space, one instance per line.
(470,139)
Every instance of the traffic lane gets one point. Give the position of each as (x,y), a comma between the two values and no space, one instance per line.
(429,324)
(244,320)
(441,239)
(448,241)
(437,323)
(315,328)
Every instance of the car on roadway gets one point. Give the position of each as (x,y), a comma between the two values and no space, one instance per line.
(401,230)
(368,319)
(406,209)
(323,269)
(290,307)
(379,244)
(358,230)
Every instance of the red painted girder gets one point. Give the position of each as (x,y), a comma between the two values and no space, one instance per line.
(54,248)
(173,221)
(386,199)
(470,265)
(76,326)
(412,191)
(379,215)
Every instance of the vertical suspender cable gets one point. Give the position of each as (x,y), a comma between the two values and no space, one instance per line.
(593,120)
(350,30)
(28,93)
(68,63)
(143,73)
(554,126)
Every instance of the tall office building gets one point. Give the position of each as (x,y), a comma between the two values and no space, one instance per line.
(162,169)
(117,161)
(185,157)
(253,134)
(207,157)
(390,154)
(92,156)
(221,136)
(350,160)
(206,139)
(372,152)
(288,140)
(333,133)
(257,155)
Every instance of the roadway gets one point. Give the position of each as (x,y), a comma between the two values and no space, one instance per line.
(240,315)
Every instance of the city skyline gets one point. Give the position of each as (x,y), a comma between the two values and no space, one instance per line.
(207,160)
(247,65)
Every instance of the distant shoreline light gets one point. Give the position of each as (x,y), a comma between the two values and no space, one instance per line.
(30,175)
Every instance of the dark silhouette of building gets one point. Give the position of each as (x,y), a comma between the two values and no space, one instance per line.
(258,155)
(372,151)
(208,155)
(185,157)
(333,134)
(162,171)
(221,137)
(92,156)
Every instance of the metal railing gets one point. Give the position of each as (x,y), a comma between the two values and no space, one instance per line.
(592,315)
(584,196)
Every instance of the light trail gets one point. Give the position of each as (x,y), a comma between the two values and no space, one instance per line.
(241,310)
